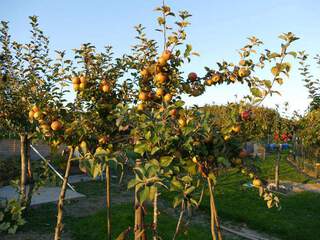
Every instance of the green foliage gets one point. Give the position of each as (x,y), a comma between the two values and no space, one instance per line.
(11,216)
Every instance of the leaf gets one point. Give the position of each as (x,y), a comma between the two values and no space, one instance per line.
(256,92)
(189,190)
(144,194)
(294,54)
(140,148)
(153,191)
(176,201)
(165,161)
(132,183)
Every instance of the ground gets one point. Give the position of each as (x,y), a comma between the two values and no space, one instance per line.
(239,208)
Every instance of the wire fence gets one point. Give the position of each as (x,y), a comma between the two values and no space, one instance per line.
(306,159)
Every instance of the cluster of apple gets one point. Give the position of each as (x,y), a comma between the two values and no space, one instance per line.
(105,86)
(284,137)
(79,83)
(158,73)
(45,127)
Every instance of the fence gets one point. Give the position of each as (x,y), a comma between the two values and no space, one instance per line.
(11,148)
(306,159)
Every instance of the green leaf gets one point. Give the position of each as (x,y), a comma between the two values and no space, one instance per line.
(256,92)
(144,194)
(189,190)
(153,190)
(176,201)
(132,183)
(140,148)
(165,161)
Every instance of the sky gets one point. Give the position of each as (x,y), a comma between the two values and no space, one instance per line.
(218,29)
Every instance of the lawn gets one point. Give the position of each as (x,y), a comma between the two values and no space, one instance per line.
(298,217)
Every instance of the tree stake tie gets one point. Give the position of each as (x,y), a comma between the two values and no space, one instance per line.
(51,167)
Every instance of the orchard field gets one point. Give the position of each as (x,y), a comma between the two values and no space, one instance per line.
(131,154)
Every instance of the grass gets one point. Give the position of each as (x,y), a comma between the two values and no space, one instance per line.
(298,217)
(93,227)
(42,220)
(287,171)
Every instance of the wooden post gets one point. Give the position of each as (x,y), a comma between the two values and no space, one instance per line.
(139,230)
(155,216)
(276,176)
(59,225)
(108,202)
(215,224)
(23,168)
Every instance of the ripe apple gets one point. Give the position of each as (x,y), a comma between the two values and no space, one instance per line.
(104,82)
(192,76)
(243,72)
(257,183)
(37,115)
(83,79)
(233,77)
(76,87)
(162,61)
(144,73)
(167,98)
(166,55)
(143,96)
(236,128)
(31,114)
(75,80)
(56,125)
(182,122)
(173,112)
(160,78)
(159,92)
(216,77)
(140,107)
(209,82)
(35,109)
(106,88)
(245,115)
(82,86)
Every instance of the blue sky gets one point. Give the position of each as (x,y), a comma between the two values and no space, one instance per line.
(218,29)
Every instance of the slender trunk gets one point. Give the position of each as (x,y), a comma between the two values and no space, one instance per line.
(23,168)
(108,203)
(214,224)
(217,222)
(276,177)
(28,158)
(139,230)
(155,215)
(59,225)
(179,221)
(30,176)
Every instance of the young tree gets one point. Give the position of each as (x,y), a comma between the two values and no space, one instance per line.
(27,76)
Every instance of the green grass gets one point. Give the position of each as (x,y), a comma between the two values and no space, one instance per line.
(298,218)
(93,227)
(287,171)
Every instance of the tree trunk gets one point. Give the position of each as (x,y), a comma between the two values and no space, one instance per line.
(180,220)
(23,168)
(276,176)
(139,230)
(108,203)
(215,224)
(30,176)
(155,215)
(59,225)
